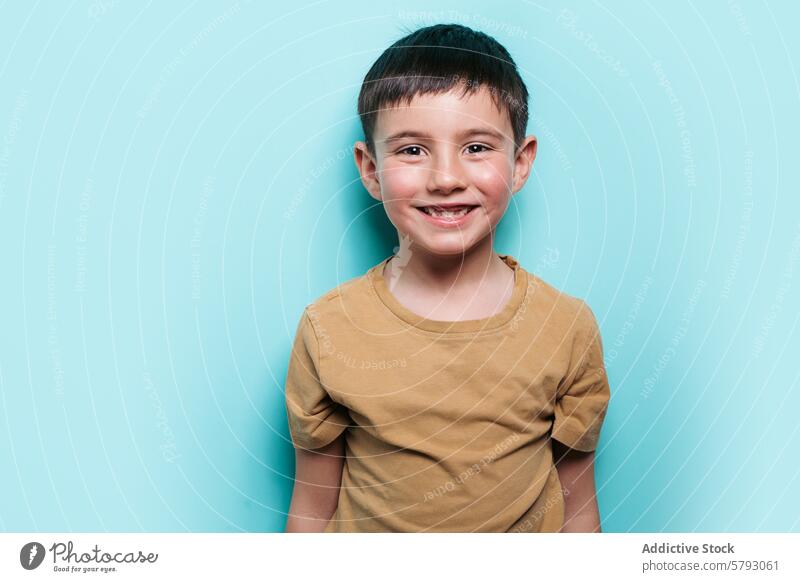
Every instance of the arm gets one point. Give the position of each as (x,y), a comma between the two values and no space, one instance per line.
(576,473)
(318,476)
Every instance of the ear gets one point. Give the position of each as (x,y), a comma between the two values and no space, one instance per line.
(523,162)
(367,168)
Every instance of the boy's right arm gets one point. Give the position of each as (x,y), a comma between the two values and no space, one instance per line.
(318,477)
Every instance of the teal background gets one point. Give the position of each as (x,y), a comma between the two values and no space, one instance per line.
(177,183)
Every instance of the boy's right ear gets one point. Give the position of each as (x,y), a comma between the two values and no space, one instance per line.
(367,168)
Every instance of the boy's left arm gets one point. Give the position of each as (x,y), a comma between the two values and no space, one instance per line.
(576,473)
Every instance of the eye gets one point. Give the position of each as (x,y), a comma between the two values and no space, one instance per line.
(482,148)
(411,150)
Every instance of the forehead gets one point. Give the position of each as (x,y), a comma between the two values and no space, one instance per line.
(444,114)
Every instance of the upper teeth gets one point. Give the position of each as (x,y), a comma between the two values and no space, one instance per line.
(446,212)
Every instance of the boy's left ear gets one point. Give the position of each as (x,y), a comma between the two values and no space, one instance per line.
(523,162)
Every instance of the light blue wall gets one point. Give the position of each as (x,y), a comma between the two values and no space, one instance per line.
(176,184)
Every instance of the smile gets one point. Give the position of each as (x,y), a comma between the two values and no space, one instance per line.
(451,216)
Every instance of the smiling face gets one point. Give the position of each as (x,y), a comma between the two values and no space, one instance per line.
(445,168)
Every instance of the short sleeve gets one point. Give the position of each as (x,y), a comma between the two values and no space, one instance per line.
(582,400)
(315,420)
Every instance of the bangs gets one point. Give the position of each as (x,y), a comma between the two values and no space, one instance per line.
(439,59)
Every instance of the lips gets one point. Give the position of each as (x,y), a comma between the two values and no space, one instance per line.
(449,215)
(449,210)
(449,205)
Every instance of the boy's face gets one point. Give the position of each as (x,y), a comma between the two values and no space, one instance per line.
(445,150)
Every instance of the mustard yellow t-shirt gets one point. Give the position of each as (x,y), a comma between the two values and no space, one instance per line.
(447,424)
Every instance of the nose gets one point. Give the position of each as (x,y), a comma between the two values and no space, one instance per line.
(446,173)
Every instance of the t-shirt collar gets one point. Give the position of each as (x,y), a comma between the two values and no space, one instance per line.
(375,275)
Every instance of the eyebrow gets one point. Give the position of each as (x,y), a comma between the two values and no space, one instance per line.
(466,133)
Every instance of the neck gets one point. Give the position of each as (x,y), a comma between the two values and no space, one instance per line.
(448,274)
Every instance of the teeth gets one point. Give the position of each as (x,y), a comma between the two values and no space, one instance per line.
(448,214)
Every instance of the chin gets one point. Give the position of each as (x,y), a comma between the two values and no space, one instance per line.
(445,248)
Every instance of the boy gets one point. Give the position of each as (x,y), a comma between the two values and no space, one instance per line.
(422,396)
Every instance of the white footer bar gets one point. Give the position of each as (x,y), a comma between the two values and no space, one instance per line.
(387,557)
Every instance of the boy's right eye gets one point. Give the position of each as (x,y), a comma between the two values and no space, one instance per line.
(411,150)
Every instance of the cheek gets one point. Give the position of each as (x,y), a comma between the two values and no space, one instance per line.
(493,178)
(400,182)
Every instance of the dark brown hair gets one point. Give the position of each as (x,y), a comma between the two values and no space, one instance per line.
(435,59)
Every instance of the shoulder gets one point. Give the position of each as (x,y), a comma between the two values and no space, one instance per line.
(559,301)
(347,302)
(562,312)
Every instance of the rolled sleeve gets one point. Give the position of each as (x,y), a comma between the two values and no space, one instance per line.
(582,400)
(314,418)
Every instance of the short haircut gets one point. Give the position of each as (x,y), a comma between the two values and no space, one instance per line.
(435,59)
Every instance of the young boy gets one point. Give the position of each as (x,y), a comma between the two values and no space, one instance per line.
(447,389)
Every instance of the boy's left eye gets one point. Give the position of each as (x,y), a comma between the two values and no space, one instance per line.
(480,146)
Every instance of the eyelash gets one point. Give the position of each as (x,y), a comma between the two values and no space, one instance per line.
(485,148)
